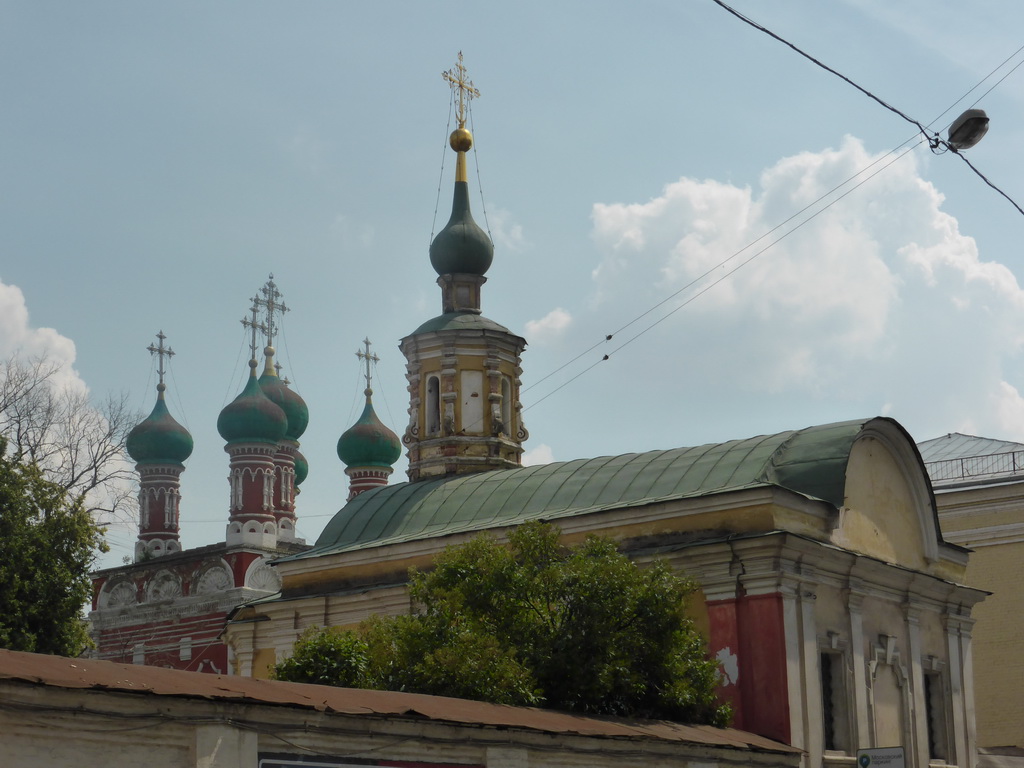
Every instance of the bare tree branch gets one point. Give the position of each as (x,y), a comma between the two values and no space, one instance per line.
(78,445)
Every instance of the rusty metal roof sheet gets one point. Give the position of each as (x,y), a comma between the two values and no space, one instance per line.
(60,672)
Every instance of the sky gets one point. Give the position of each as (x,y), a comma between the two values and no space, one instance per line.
(651,171)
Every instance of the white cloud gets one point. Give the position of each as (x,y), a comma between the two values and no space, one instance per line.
(506,233)
(552,326)
(878,301)
(17,336)
(1008,406)
(542,454)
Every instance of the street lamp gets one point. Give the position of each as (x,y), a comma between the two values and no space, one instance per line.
(967,130)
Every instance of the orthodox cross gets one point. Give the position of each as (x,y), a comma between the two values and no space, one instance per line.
(254,325)
(270,303)
(277,369)
(368,357)
(456,78)
(161,352)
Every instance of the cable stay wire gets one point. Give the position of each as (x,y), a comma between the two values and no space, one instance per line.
(476,166)
(440,175)
(935,141)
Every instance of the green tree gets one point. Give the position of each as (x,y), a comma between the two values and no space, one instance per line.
(581,628)
(48,544)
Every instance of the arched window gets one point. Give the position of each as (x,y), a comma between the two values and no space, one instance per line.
(433,405)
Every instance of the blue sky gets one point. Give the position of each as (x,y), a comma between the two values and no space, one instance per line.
(158,161)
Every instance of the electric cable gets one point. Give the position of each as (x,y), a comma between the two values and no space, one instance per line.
(935,140)
(922,130)
(732,271)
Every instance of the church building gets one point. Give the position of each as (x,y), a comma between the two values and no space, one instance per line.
(836,609)
(168,607)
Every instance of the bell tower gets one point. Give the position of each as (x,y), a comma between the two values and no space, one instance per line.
(463,370)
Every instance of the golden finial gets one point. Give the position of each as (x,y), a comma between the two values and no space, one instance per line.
(461,139)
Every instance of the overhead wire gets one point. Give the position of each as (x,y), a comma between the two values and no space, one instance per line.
(713,269)
(934,139)
(931,138)
(732,271)
(978,84)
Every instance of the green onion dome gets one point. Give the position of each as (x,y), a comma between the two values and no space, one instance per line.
(287,400)
(301,468)
(461,247)
(159,439)
(368,443)
(252,417)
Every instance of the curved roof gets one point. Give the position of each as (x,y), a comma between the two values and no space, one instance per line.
(460,321)
(461,247)
(159,438)
(811,462)
(252,417)
(288,400)
(368,443)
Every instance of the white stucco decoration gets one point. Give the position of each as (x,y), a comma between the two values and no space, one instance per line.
(263,577)
(122,594)
(214,580)
(163,586)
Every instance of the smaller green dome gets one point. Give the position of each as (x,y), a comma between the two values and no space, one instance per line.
(252,416)
(159,439)
(301,468)
(461,247)
(368,443)
(286,399)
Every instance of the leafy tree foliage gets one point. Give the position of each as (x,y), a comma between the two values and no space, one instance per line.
(582,629)
(48,543)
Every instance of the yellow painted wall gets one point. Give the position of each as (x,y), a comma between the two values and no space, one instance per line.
(263,659)
(880,518)
(998,644)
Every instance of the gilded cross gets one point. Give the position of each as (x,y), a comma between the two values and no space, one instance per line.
(270,303)
(456,78)
(161,352)
(368,357)
(254,325)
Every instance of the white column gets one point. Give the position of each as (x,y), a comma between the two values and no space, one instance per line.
(919,707)
(861,736)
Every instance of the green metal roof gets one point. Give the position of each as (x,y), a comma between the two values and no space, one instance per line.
(461,247)
(252,416)
(368,443)
(810,461)
(460,321)
(159,438)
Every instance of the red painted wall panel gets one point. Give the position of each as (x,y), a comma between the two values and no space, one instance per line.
(751,627)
